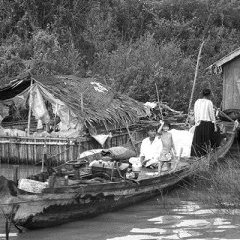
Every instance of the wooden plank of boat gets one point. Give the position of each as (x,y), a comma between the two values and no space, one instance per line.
(69,203)
(80,200)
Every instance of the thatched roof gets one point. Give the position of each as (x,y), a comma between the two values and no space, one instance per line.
(100,104)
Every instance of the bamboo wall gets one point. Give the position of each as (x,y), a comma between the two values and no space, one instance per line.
(29,150)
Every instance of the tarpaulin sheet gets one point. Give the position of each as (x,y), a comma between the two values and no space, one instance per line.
(38,105)
(13,89)
(68,118)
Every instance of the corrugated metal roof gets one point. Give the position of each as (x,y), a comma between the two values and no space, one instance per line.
(229,57)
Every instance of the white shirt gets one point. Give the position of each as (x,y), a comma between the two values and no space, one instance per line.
(151,150)
(203,111)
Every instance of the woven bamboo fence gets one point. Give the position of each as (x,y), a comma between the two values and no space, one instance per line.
(29,150)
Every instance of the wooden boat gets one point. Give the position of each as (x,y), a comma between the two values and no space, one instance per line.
(86,197)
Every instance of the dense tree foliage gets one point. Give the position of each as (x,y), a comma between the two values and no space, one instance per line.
(131,44)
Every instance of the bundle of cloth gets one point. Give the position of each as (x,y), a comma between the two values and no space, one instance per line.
(118,153)
(114,153)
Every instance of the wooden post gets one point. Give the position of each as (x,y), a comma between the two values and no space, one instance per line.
(66,180)
(15,173)
(81,102)
(55,116)
(130,136)
(160,109)
(7,229)
(44,159)
(112,170)
(195,77)
(51,181)
(30,108)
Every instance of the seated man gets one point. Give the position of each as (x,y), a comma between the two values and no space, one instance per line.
(151,148)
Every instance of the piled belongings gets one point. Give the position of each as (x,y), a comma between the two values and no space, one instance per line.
(155,110)
(105,165)
(113,163)
(99,163)
(118,153)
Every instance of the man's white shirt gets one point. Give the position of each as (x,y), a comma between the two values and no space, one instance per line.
(151,150)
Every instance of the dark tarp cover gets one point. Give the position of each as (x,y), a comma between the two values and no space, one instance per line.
(14,88)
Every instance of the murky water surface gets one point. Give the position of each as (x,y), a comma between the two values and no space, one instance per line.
(176,215)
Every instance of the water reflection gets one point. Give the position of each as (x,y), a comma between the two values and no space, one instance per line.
(152,220)
(187,221)
(3,236)
(24,171)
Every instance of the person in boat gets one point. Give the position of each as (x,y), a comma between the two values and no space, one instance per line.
(150,148)
(168,152)
(204,138)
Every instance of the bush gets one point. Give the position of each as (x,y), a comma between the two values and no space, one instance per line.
(134,68)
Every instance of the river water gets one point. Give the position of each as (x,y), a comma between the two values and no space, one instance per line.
(174,215)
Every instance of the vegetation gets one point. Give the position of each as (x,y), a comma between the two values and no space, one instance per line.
(220,184)
(132,44)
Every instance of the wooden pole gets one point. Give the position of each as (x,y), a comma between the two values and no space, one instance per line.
(44,159)
(112,170)
(195,76)
(30,108)
(7,229)
(130,137)
(55,116)
(81,102)
(15,173)
(160,109)
(43,162)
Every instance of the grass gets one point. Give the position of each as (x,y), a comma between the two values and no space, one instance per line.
(219,184)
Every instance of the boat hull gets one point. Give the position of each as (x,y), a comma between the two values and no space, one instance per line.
(57,214)
(76,206)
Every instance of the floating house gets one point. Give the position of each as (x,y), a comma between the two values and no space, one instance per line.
(229,67)
(62,116)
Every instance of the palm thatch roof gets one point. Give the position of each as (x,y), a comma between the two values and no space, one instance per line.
(92,102)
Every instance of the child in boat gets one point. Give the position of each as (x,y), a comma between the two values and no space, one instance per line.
(168,149)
